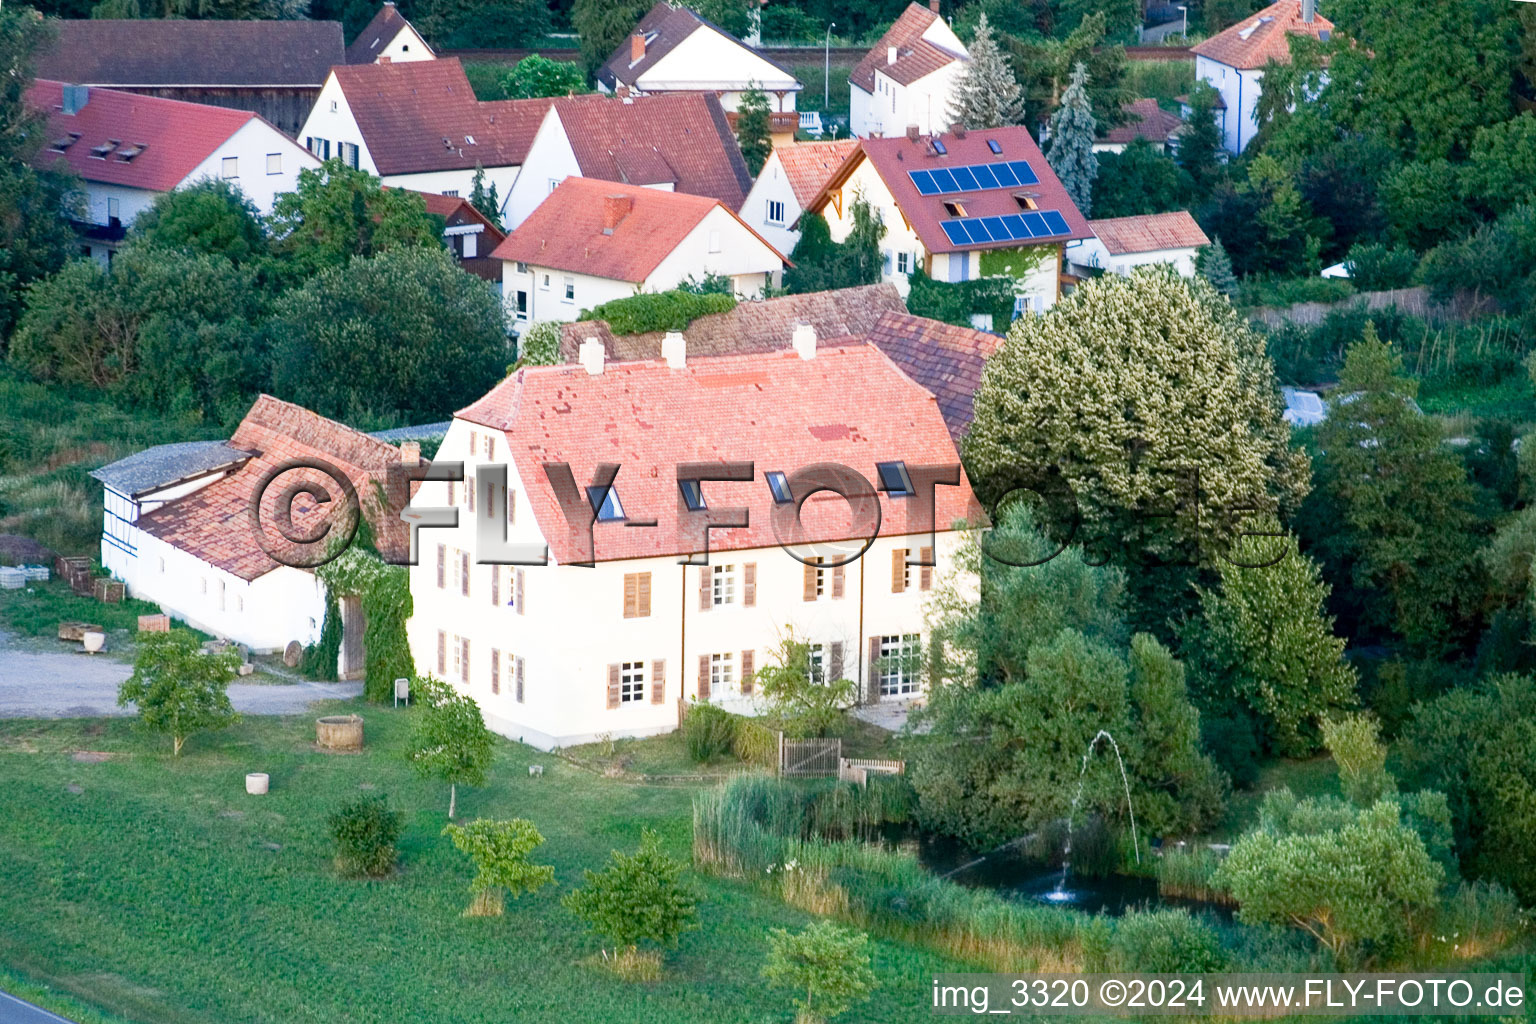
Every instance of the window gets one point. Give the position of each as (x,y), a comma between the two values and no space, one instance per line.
(898,664)
(553,183)
(724,584)
(348,152)
(333,106)
(894,479)
(231,167)
(605,503)
(318,146)
(722,674)
(451,192)
(775,211)
(522,268)
(520,304)
(114,209)
(637,595)
(693,494)
(570,289)
(903,263)
(954,209)
(714,241)
(1026,202)
(885,262)
(631,682)
(471,247)
(901,571)
(816,663)
(994,147)
(938,146)
(162,567)
(544,283)
(274,163)
(778,483)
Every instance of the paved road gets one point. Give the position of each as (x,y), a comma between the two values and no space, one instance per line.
(19,1011)
(68,683)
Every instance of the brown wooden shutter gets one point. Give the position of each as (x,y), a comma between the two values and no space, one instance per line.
(613,686)
(470,486)
(643,595)
(518,595)
(442,655)
(464,572)
(837,581)
(874,670)
(511,505)
(658,682)
(453,494)
(898,570)
(464,662)
(495,670)
(631,594)
(706,594)
(925,578)
(495,585)
(749,585)
(835,661)
(703,677)
(748,669)
(810,582)
(442,566)
(517,664)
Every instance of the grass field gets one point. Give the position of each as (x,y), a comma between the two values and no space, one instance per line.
(161,892)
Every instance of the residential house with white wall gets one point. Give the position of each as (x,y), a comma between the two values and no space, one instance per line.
(593,241)
(1120,244)
(178,531)
(128,149)
(960,206)
(908,78)
(1145,120)
(388,38)
(675,49)
(613,639)
(1232,62)
(676,142)
(417,125)
(791,177)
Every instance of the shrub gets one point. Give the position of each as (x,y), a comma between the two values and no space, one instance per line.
(179,688)
(708,732)
(365,831)
(500,850)
(1162,942)
(827,963)
(1374,267)
(658,311)
(638,897)
(1477,919)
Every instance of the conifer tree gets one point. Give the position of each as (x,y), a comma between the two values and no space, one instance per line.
(1215,266)
(987,94)
(754,128)
(1070,151)
(485,199)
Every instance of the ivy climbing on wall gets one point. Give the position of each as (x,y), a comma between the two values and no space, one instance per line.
(385,593)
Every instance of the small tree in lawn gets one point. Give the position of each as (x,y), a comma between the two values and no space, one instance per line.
(485,199)
(365,831)
(500,850)
(637,898)
(178,688)
(450,741)
(754,128)
(1070,151)
(829,964)
(987,94)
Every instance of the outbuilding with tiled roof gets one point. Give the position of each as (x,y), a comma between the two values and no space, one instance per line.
(908,77)
(1145,120)
(1233,61)
(388,38)
(1119,244)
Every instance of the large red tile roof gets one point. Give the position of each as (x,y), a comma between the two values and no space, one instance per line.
(681,138)
(214,524)
(916,57)
(422,115)
(1149,232)
(1144,120)
(850,404)
(1263,37)
(175,136)
(377,34)
(809,165)
(944,358)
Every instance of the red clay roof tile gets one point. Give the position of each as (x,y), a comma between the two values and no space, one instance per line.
(1262,37)
(1149,232)
(916,57)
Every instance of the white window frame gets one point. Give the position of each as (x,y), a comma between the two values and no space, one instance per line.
(568,296)
(229,168)
(274,163)
(722,675)
(723,584)
(632,679)
(896,655)
(771,219)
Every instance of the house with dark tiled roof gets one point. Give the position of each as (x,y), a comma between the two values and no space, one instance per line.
(469,234)
(680,591)
(127,149)
(1120,244)
(960,206)
(271,68)
(179,528)
(791,177)
(388,38)
(1145,120)
(908,77)
(1232,62)
(675,49)
(418,125)
(944,358)
(592,241)
(675,142)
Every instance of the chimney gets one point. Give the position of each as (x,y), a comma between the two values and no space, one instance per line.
(911,133)
(890,55)
(75,98)
(636,48)
(592,356)
(674,349)
(804,341)
(957,130)
(410,453)
(615,209)
(385,58)
(1309,11)
(933,5)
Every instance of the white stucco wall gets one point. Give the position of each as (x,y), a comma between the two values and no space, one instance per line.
(1240,90)
(250,147)
(550,160)
(331,119)
(548,301)
(1090,252)
(406,46)
(772,186)
(709,62)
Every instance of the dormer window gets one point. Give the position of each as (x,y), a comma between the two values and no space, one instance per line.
(469,140)
(693,494)
(104,150)
(954,209)
(1025,201)
(778,484)
(894,479)
(61,144)
(605,502)
(127,153)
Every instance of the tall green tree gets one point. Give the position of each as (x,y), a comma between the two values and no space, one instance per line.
(987,95)
(1200,145)
(485,199)
(754,128)
(603,26)
(449,740)
(1137,180)
(337,212)
(1213,264)
(211,217)
(1070,149)
(178,688)
(821,264)
(462,24)
(536,76)
(1044,66)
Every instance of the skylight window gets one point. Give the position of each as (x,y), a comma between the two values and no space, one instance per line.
(954,209)
(894,479)
(938,146)
(605,503)
(693,494)
(778,483)
(996,149)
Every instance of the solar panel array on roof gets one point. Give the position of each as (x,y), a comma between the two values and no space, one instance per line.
(943,181)
(1016,227)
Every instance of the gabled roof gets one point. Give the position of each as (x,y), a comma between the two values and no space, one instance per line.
(180,53)
(850,404)
(1263,37)
(165,464)
(809,165)
(567,230)
(422,115)
(944,358)
(457,211)
(664,28)
(146,142)
(1144,120)
(916,57)
(1149,232)
(751,327)
(379,33)
(895,158)
(214,524)
(682,138)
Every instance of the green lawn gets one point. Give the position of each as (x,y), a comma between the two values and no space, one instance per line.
(162,892)
(38,608)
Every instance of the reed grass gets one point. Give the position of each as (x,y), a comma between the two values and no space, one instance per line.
(1187,874)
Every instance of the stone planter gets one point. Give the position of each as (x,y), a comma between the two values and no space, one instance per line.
(339,732)
(256,783)
(93,641)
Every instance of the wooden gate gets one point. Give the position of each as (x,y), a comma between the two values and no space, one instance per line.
(354,657)
(809,757)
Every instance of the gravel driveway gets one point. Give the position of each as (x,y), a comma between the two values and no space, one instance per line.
(67,683)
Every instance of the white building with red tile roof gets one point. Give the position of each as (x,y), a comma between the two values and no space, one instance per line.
(560,653)
(593,241)
(792,176)
(1120,244)
(908,78)
(128,149)
(1232,62)
(388,38)
(1146,120)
